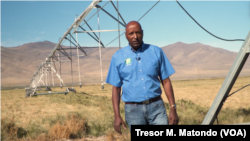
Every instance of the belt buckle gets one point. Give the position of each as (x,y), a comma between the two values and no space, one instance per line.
(146,102)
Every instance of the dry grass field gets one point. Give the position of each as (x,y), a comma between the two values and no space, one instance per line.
(88,114)
(203,92)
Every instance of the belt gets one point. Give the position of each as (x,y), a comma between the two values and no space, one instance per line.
(146,101)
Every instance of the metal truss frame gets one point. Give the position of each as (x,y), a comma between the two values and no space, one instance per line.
(228,82)
(46,70)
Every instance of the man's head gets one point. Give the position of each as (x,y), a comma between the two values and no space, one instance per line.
(134,34)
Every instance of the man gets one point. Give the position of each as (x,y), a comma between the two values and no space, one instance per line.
(137,69)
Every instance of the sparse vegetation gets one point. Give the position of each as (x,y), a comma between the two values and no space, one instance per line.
(88,113)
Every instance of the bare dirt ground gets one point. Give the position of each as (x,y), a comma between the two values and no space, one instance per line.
(38,114)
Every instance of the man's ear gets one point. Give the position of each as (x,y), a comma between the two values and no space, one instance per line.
(126,35)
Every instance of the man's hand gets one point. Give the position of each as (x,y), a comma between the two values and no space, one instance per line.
(116,102)
(173,117)
(117,124)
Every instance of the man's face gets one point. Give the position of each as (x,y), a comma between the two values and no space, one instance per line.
(134,35)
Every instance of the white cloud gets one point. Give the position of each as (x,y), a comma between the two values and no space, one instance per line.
(38,38)
(2,44)
(32,32)
(12,43)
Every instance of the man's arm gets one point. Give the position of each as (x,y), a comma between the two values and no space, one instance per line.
(173,117)
(116,105)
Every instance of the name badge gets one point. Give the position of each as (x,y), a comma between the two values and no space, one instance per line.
(128,61)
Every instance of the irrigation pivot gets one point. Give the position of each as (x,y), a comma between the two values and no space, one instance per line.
(228,82)
(47,68)
(43,78)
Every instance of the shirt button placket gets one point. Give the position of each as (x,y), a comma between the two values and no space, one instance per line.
(140,68)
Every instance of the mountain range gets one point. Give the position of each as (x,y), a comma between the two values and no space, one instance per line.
(190,61)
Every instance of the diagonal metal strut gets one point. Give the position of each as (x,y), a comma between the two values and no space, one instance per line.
(110,15)
(118,13)
(228,82)
(97,40)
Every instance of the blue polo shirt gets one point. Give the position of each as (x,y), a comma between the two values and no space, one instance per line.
(138,72)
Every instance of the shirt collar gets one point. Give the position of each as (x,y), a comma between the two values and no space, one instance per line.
(139,50)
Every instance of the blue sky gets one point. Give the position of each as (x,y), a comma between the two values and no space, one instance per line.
(33,21)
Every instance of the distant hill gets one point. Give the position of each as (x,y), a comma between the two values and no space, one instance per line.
(198,60)
(191,61)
